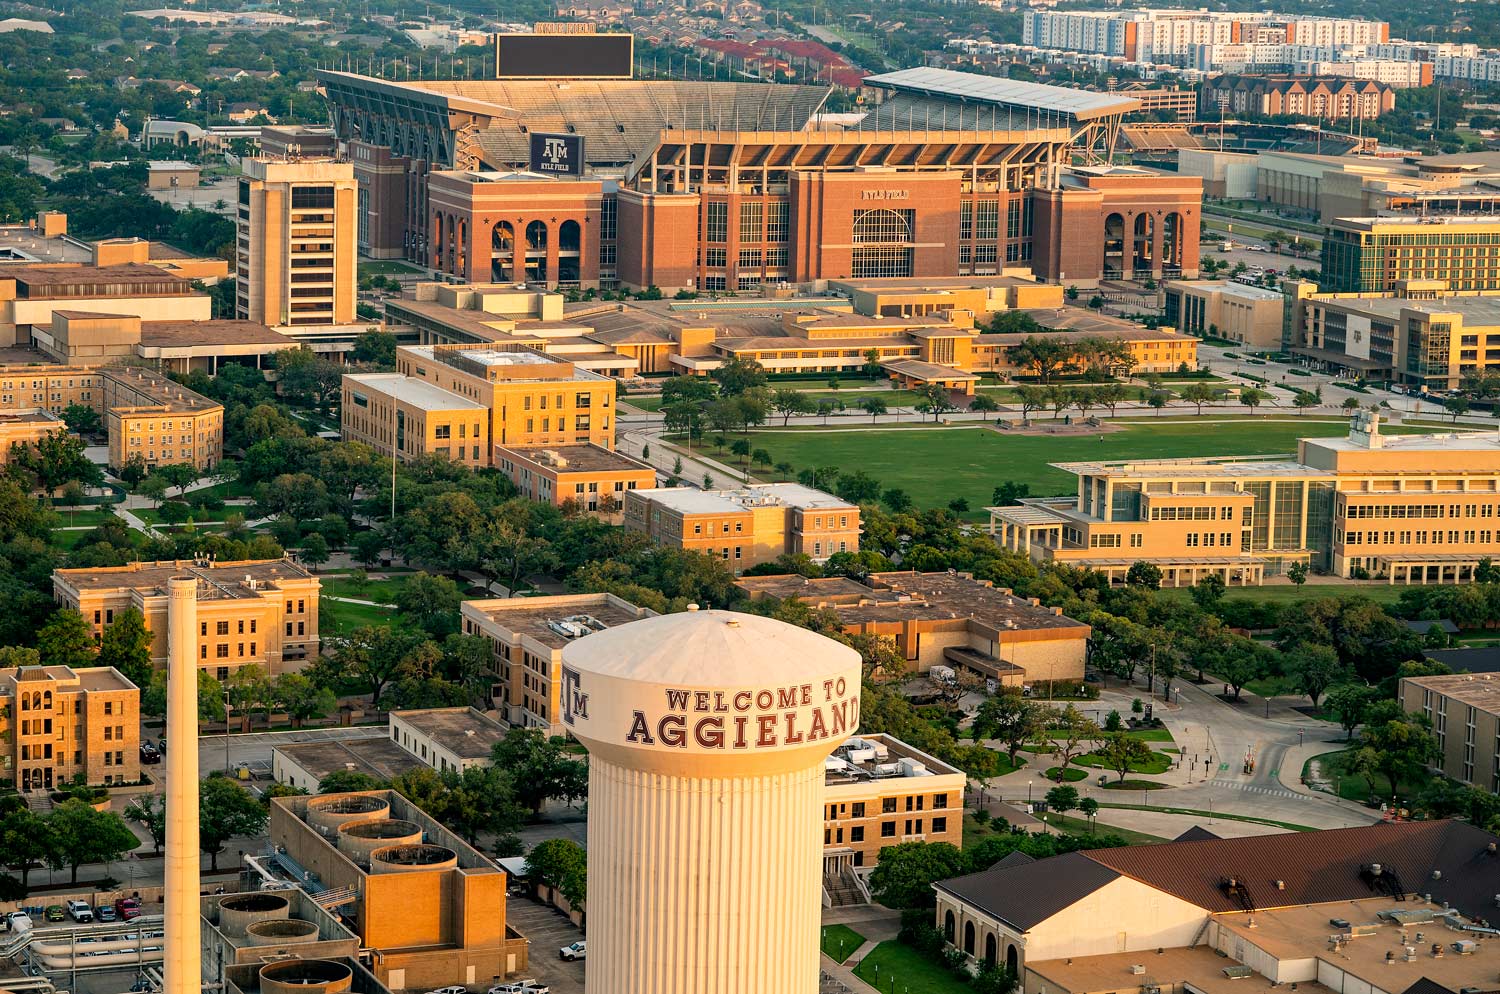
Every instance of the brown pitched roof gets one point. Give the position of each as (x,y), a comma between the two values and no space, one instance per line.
(1023,896)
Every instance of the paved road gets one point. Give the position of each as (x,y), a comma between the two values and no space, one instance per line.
(548,931)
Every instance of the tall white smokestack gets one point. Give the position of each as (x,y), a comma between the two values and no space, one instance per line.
(183,966)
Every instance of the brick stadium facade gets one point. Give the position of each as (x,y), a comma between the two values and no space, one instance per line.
(730,186)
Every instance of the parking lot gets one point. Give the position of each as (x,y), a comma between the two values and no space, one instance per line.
(549,930)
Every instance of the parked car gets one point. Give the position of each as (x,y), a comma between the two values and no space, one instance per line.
(521,987)
(106,913)
(451,989)
(19,921)
(149,753)
(55,913)
(128,908)
(80,911)
(574,950)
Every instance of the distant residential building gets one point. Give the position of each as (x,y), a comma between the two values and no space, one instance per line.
(261,612)
(588,477)
(27,426)
(748,526)
(1170,36)
(1323,98)
(878,792)
(58,723)
(1250,315)
(527,636)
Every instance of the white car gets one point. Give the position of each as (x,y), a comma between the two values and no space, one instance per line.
(80,911)
(576,950)
(521,987)
(19,921)
(451,989)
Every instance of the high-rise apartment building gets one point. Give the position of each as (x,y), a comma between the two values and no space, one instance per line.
(296,244)
(58,723)
(1464,709)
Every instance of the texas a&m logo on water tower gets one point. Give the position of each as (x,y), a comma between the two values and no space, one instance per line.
(557,155)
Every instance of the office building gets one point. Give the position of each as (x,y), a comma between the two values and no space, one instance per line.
(947,619)
(527,636)
(27,426)
(1171,37)
(30,294)
(58,724)
(428,906)
(1402,509)
(1334,910)
(1330,98)
(1419,335)
(1375,254)
(1464,709)
(304,765)
(579,477)
(461,401)
(263,612)
(724,186)
(86,338)
(707,727)
(297,250)
(748,526)
(1250,315)
(447,738)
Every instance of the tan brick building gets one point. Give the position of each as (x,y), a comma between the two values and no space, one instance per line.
(394,413)
(527,636)
(1250,315)
(748,526)
(878,792)
(30,294)
(1464,709)
(430,907)
(26,427)
(58,723)
(947,619)
(262,612)
(589,477)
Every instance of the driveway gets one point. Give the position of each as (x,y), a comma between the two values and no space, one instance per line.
(549,930)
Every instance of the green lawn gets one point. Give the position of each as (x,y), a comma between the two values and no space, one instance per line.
(382,591)
(92,518)
(1329,766)
(839,941)
(1289,826)
(1070,775)
(935,465)
(153,515)
(388,267)
(1151,735)
(1288,593)
(894,965)
(1158,763)
(340,617)
(1080,826)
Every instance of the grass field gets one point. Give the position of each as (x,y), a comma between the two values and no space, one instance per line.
(92,518)
(893,965)
(341,617)
(383,591)
(1080,826)
(936,465)
(388,267)
(839,941)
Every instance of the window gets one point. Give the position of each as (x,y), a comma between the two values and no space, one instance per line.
(887,830)
(221,628)
(857,809)
(940,824)
(751,214)
(881,243)
(987,219)
(939,801)
(221,651)
(776,221)
(887,805)
(857,833)
(718,222)
(716,258)
(312,197)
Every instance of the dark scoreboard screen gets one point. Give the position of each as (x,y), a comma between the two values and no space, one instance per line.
(561,56)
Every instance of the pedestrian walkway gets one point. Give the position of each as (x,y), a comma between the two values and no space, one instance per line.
(1257,789)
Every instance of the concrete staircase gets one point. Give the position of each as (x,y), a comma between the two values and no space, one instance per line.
(843,890)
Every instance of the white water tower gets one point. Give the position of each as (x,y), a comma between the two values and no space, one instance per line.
(707,733)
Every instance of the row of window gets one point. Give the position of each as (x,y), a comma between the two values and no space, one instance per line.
(1194,513)
(1419,511)
(1470,537)
(1225,539)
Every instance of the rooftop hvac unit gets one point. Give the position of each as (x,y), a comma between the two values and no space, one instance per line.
(1138,969)
(1465,947)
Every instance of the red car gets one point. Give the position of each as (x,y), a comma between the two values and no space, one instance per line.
(128,908)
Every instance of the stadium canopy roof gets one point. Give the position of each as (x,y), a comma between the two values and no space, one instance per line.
(948,84)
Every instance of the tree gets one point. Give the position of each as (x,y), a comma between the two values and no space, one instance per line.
(179,474)
(1253,397)
(480,799)
(82,418)
(52,461)
(65,640)
(741,448)
(1011,718)
(898,500)
(873,406)
(1350,405)
(84,835)
(1245,660)
(1062,798)
(983,403)
(736,375)
(1120,752)
(1199,394)
(1045,356)
(314,551)
(1297,573)
(371,655)
(367,546)
(1009,493)
(1158,399)
(1349,703)
(301,698)
(904,873)
(1031,399)
(1304,399)
(126,645)
(858,487)
(761,458)
(1208,592)
(1402,746)
(1144,574)
(541,767)
(934,399)
(347,781)
(786,402)
(1089,807)
(1070,728)
(432,602)
(150,812)
(27,840)
(1456,406)
(562,865)
(1314,668)
(225,810)
(375,348)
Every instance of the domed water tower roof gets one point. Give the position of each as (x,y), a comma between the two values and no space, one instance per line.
(703,690)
